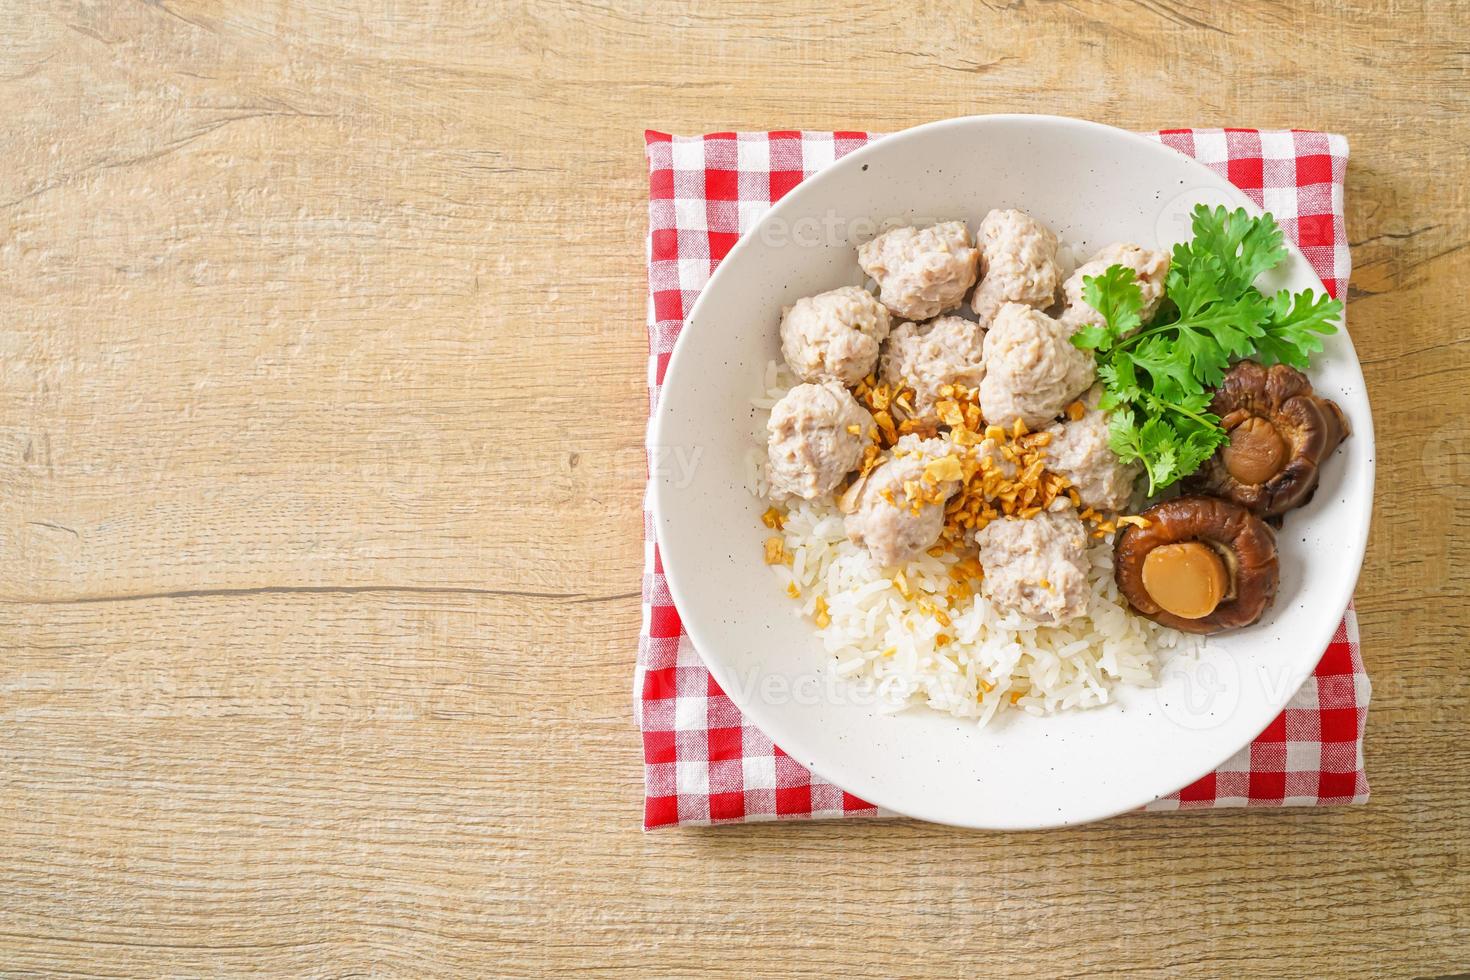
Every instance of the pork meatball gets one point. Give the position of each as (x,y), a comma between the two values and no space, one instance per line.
(1036,567)
(1018,264)
(1150,269)
(1032,371)
(834,335)
(928,356)
(817,436)
(1079,451)
(922,272)
(881,516)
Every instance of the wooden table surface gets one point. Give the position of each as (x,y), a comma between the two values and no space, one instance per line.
(321,404)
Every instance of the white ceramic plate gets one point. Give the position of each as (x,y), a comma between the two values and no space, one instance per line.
(1092,184)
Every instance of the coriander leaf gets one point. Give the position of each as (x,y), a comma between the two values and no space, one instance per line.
(1227,328)
(1091,337)
(1197,404)
(1193,410)
(1207,359)
(1245,246)
(1193,279)
(1199,442)
(1167,367)
(1293,327)
(1124,438)
(1181,263)
(1120,381)
(1116,296)
(1161,453)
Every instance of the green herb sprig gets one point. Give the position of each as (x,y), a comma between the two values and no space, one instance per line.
(1157,376)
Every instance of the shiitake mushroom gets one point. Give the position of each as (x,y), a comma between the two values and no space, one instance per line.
(1199,564)
(1280,433)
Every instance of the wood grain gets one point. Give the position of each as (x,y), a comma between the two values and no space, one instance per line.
(321,402)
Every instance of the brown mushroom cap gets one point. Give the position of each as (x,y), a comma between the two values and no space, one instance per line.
(1244,542)
(1280,432)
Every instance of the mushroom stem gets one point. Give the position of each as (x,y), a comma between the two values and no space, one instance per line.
(1256,452)
(1187,579)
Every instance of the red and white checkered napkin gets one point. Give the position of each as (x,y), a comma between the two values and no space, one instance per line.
(703,763)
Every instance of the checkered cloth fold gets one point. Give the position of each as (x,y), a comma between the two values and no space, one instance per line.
(703,762)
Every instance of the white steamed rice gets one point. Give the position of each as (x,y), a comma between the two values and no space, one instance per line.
(885,643)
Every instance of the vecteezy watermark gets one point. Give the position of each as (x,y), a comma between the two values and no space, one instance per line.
(831,229)
(1175,222)
(674,465)
(1204,691)
(806,688)
(1199,693)
(827,685)
(1446,462)
(834,230)
(1196,693)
